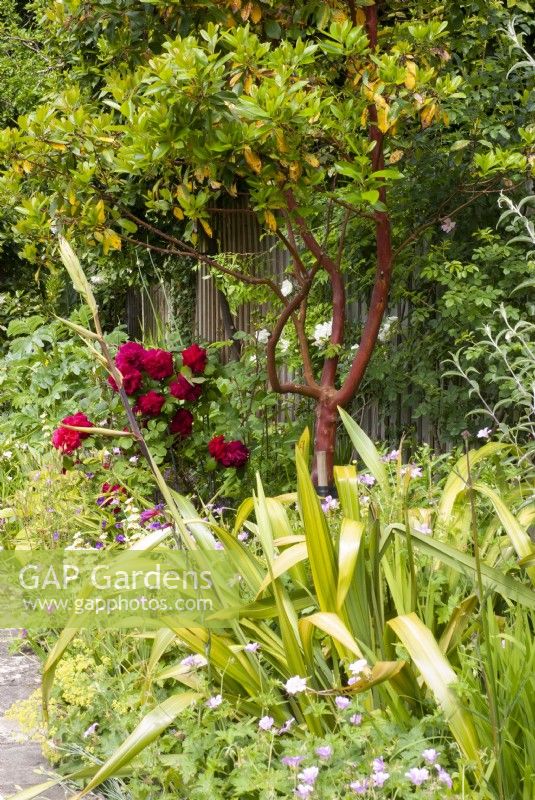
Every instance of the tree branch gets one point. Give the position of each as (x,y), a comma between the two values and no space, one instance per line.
(383,270)
(337,285)
(311,389)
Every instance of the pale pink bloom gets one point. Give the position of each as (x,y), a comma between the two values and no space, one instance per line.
(266,723)
(303,791)
(430,755)
(295,685)
(443,776)
(342,702)
(214,702)
(309,775)
(195,660)
(357,667)
(417,775)
(329,504)
(448,225)
(422,528)
(379,778)
(292,761)
(287,726)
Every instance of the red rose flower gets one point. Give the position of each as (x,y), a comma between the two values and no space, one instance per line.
(158,364)
(68,441)
(130,355)
(228,454)
(195,358)
(182,423)
(236,454)
(184,390)
(131,380)
(216,447)
(150,404)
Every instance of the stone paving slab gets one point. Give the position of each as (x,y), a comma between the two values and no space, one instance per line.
(21,762)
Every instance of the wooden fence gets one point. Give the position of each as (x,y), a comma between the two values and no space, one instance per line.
(237,231)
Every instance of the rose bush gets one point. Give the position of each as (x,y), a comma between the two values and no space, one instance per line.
(67,440)
(160,391)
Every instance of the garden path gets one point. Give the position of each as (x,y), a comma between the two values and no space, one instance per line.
(21,762)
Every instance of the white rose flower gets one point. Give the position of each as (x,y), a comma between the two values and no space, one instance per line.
(322,333)
(287,288)
(262,336)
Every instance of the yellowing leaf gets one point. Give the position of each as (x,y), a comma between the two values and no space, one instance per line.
(27,166)
(248,84)
(364,118)
(271,222)
(111,241)
(235,78)
(312,160)
(246,10)
(101,214)
(256,13)
(182,195)
(282,147)
(395,156)
(206,227)
(410,75)
(382,119)
(295,170)
(59,146)
(379,101)
(428,114)
(252,159)
(178,213)
(361,16)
